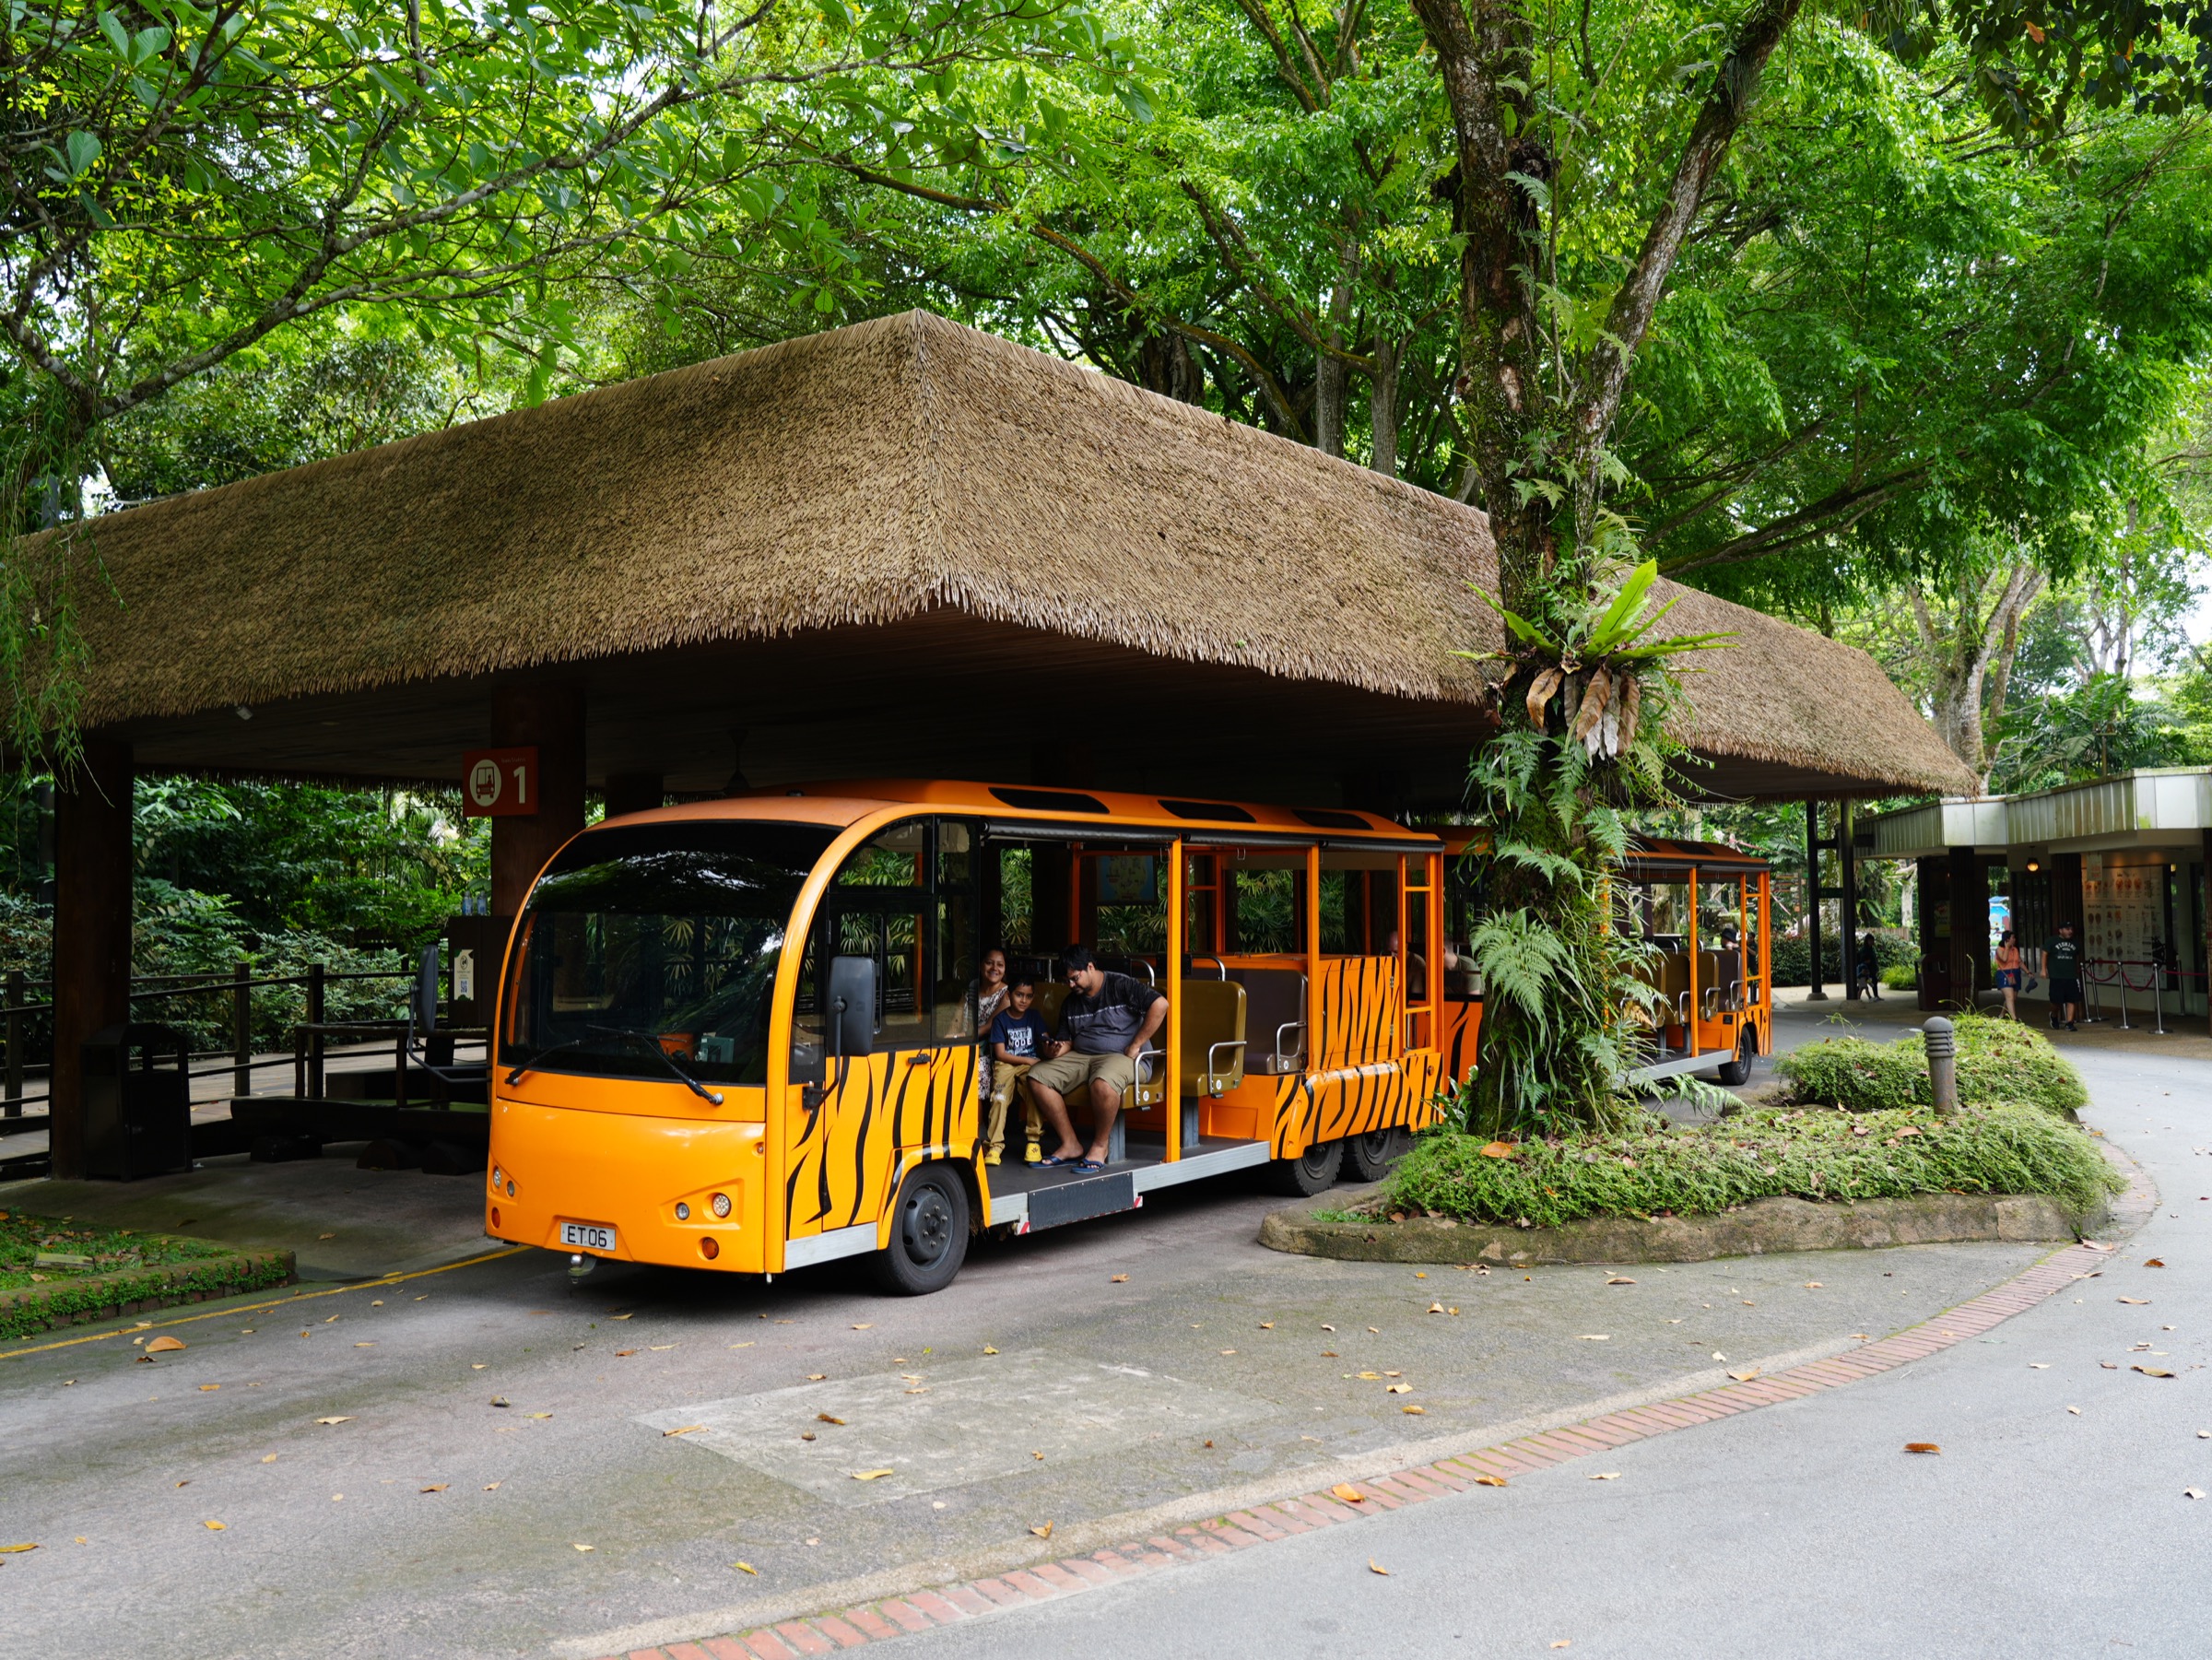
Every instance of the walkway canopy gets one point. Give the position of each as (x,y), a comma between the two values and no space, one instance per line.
(902,546)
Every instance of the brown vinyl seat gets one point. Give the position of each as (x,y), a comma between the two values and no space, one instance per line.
(1275,1018)
(1213,1036)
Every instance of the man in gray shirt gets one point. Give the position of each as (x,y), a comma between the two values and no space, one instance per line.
(1105,1025)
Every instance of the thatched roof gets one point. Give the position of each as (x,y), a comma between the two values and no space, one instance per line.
(902,479)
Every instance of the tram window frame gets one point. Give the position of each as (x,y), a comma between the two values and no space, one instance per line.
(1464,902)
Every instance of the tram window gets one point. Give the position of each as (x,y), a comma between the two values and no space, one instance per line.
(1268,909)
(1220,812)
(1329,818)
(1662,909)
(1720,914)
(1132,915)
(893,859)
(1050,801)
(657,934)
(1463,910)
(1016,929)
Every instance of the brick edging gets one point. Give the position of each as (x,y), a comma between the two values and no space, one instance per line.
(1237,1530)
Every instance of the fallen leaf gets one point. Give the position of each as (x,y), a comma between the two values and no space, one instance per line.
(1267,1325)
(1621,1279)
(2153,1262)
(14,1549)
(1597,1338)
(1120,1279)
(1814,1285)
(541,1415)
(816,1377)
(1328,1328)
(1375,1567)
(1922,1446)
(500,1400)
(1420,1276)
(1038,1457)
(2152,1371)
(990,1351)
(475,1366)
(212,1527)
(371,1344)
(491,1487)
(163,1345)
(823,1417)
(686,1429)
(660,1347)
(633,1315)
(1563,1643)
(2038,1366)
(2192,1492)
(1330,1354)
(1399,1389)
(325,1236)
(2138,1302)
(1229,1351)
(623,1354)
(580,1548)
(2075,1410)
(871,1475)
(1498,1149)
(1489,1481)
(1348,1492)
(186,1482)
(270,1458)
(1745,1375)
(1606,1476)
(437,1487)
(1436,1308)
(806,1435)
(1375,1331)
(2109,1365)
(1417,1411)
(1043,1530)
(347,1421)
(206,1387)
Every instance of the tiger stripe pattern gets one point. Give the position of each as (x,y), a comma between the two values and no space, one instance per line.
(1361,1012)
(838,1156)
(1328,1106)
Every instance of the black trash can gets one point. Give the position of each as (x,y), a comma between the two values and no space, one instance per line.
(137,1116)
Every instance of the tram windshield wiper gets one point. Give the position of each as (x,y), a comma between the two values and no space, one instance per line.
(644,1040)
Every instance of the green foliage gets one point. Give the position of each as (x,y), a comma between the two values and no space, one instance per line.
(1998,1061)
(23,1237)
(1792,957)
(1808,1154)
(126,1267)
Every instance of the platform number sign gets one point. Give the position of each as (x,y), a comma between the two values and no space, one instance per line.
(499,783)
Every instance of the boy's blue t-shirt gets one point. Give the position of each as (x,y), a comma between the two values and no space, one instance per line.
(1020,1033)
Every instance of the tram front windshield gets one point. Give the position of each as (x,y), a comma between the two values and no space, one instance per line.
(651,949)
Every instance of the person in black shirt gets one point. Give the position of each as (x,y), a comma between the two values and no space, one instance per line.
(1105,1025)
(2062,966)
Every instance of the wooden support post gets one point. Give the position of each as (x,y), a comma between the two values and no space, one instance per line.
(1816,991)
(316,1005)
(91,929)
(547,717)
(1847,860)
(18,989)
(634,793)
(242,1029)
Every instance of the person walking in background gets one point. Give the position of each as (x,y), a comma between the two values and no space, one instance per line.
(2009,974)
(1870,967)
(2062,966)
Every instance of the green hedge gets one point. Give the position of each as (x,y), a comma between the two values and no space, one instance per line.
(59,1302)
(1893,948)
(1809,1153)
(1998,1061)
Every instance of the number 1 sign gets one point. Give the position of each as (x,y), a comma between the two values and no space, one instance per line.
(499,783)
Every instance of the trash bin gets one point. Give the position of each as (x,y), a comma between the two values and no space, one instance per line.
(137,1117)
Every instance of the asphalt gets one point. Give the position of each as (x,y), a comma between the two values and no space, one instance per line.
(330,1544)
(2056,1520)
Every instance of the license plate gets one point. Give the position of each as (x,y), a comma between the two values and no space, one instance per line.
(588,1236)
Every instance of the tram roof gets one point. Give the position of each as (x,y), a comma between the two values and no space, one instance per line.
(852,545)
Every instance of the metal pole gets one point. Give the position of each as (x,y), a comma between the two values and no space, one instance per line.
(2120,974)
(16,993)
(241,1029)
(1847,866)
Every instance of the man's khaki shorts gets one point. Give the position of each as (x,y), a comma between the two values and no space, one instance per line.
(1070,1074)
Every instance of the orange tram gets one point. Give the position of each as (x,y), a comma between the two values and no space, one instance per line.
(742,1034)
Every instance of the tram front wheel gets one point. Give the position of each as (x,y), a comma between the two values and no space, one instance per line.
(1312,1172)
(1369,1158)
(1738,1071)
(929,1233)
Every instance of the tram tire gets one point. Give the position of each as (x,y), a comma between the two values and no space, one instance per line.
(1738,1071)
(1312,1172)
(1369,1158)
(929,1233)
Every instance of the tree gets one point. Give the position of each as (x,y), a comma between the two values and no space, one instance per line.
(183,183)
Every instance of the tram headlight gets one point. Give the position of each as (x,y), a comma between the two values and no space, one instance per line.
(497,1178)
(720,1203)
(683,1212)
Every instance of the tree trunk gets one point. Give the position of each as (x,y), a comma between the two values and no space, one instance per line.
(1383,405)
(1962,649)
(1332,378)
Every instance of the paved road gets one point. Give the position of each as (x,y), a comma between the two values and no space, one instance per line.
(1805,1528)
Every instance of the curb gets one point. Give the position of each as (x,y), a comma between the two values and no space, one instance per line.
(1764,1226)
(1495,1466)
(140,1290)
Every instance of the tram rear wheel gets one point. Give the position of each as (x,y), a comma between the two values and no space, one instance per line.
(1312,1172)
(929,1233)
(1369,1158)
(1738,1071)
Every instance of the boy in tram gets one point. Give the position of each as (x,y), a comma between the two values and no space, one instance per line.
(1015,1040)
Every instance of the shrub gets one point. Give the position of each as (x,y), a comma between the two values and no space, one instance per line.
(1809,1153)
(1998,1061)
(1900,979)
(1893,948)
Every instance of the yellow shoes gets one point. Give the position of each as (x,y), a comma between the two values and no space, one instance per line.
(1034,1155)
(991,1157)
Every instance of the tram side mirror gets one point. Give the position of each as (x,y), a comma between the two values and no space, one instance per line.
(851,1012)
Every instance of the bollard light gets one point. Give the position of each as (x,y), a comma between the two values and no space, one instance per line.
(1941,1041)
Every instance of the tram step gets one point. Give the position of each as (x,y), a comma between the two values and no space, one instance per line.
(1079,1201)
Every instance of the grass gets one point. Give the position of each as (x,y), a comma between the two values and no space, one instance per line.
(1998,1061)
(1811,1153)
(124,1267)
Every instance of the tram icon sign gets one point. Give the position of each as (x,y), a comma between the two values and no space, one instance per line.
(499,783)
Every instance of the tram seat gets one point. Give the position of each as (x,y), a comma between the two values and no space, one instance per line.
(1213,1036)
(1275,1018)
(1673,988)
(1152,1065)
(1720,981)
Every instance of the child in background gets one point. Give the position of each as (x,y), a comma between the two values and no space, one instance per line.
(1015,1036)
